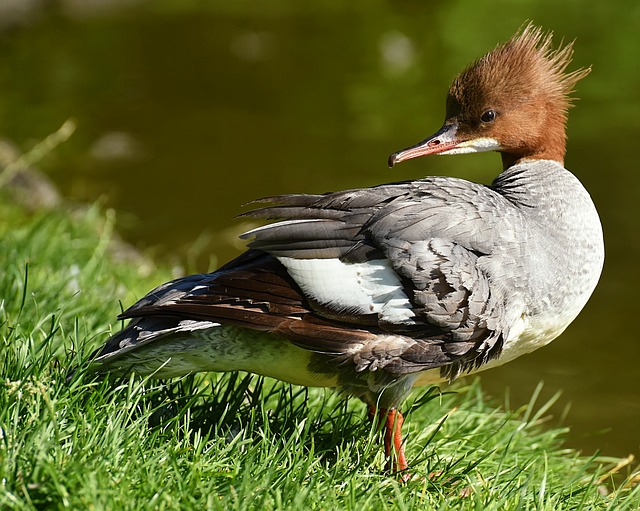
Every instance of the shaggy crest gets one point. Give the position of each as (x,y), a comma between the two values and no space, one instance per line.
(523,69)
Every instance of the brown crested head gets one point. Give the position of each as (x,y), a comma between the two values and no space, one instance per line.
(514,100)
(518,94)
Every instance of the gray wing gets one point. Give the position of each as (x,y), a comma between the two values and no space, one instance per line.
(446,240)
(399,277)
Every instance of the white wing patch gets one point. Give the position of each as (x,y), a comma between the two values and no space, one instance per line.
(372,287)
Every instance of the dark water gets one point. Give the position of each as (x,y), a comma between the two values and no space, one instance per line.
(187,110)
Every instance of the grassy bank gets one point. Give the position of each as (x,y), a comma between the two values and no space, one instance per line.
(230,442)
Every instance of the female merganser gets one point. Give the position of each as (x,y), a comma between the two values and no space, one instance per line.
(379,290)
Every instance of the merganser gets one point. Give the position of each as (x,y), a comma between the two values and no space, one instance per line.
(376,291)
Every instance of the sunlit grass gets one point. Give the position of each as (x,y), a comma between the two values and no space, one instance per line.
(234,441)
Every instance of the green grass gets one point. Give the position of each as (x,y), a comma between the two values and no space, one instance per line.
(231,441)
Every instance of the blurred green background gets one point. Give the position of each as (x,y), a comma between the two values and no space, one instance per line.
(185,110)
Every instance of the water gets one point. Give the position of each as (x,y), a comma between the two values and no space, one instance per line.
(187,111)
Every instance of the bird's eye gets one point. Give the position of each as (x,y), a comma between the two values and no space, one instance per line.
(488,116)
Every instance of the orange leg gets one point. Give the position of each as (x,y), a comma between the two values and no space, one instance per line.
(393,446)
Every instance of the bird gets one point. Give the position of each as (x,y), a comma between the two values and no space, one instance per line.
(377,291)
